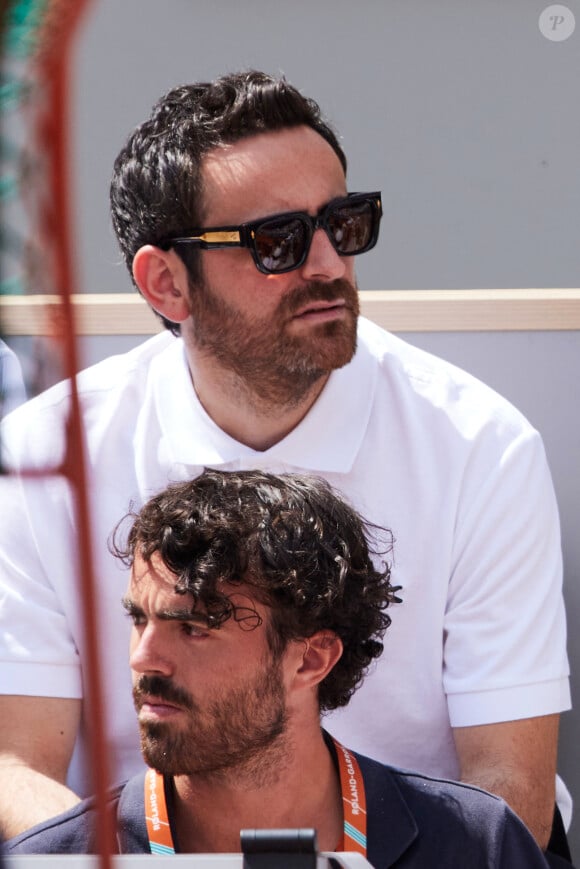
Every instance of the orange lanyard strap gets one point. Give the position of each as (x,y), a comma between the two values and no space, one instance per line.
(353,805)
(158,829)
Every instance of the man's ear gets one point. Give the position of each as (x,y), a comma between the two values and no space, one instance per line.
(162,279)
(321,651)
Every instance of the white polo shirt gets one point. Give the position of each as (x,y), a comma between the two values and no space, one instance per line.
(418,446)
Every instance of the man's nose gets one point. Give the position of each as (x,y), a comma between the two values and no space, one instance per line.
(148,654)
(323,263)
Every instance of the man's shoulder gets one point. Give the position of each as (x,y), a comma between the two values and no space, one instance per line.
(125,377)
(110,373)
(72,832)
(444,822)
(116,385)
(120,370)
(427,792)
(419,365)
(409,372)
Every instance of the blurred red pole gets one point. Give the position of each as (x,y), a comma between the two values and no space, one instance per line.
(55,71)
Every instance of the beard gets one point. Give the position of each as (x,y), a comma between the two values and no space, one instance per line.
(277,366)
(240,729)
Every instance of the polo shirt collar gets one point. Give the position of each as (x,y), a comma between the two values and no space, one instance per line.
(326,440)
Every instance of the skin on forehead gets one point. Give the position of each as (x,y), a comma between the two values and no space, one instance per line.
(293,169)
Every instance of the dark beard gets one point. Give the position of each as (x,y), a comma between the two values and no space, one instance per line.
(242,729)
(277,367)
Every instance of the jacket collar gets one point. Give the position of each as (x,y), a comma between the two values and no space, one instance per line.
(391,826)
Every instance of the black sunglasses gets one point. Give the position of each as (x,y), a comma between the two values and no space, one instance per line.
(281,243)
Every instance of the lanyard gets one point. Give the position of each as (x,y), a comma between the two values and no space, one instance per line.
(354,804)
(354,836)
(158,829)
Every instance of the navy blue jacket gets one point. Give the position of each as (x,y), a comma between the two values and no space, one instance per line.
(414,822)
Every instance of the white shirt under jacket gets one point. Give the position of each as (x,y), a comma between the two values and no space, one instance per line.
(457,474)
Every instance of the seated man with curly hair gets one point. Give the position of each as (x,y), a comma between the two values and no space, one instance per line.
(257,606)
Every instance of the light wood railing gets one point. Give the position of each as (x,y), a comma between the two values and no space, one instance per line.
(396,310)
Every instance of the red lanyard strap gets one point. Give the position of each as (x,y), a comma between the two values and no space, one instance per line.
(353,803)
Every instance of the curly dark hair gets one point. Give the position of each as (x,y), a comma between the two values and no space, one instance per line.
(302,549)
(156,188)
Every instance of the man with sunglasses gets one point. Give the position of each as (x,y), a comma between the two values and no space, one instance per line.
(231,208)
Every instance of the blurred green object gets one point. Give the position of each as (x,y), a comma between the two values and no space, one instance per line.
(21,25)
(22,21)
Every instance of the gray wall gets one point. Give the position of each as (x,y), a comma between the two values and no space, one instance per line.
(461,111)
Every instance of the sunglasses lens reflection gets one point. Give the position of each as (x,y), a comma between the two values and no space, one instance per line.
(282,244)
(351,227)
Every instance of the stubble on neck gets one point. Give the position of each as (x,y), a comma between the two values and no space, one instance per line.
(285,790)
(211,808)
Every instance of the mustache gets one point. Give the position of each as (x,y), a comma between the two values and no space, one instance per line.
(162,689)
(322,291)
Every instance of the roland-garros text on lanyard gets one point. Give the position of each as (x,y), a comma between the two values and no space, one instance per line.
(354,836)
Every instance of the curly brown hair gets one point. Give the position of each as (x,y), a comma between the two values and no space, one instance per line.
(296,542)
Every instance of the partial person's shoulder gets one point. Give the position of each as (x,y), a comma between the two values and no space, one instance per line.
(12,389)
(72,832)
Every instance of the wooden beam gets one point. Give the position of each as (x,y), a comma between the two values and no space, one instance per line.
(395,310)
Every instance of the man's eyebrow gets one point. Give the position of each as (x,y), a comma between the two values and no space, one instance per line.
(181,615)
(131,607)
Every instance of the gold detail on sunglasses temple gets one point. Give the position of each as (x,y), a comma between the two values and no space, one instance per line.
(217,237)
